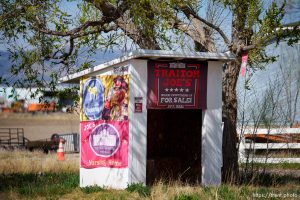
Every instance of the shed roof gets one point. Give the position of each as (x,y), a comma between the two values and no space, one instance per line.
(151,55)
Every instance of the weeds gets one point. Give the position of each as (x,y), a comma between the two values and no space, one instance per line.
(44,185)
(51,179)
(66,186)
(19,161)
(186,197)
(91,189)
(268,180)
(142,190)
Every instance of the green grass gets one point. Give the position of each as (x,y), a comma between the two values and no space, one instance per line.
(66,186)
(34,185)
(269,180)
(187,197)
(91,189)
(142,190)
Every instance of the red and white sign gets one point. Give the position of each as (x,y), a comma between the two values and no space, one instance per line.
(244,64)
(138,104)
(104,144)
(176,85)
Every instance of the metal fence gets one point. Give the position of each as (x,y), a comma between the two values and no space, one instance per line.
(12,137)
(269,140)
(72,142)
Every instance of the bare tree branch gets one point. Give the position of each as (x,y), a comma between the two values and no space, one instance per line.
(109,11)
(136,34)
(188,11)
(197,33)
(67,33)
(65,55)
(104,29)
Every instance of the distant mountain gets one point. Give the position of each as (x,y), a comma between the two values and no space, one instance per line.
(99,58)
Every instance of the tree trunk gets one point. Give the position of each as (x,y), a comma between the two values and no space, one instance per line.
(230,169)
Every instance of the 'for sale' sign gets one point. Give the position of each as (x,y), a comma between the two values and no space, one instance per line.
(177,85)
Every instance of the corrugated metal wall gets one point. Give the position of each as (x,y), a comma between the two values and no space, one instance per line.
(72,142)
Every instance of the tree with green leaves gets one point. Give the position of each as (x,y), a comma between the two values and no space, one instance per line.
(45,39)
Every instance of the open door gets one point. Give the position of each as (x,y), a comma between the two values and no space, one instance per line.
(174,145)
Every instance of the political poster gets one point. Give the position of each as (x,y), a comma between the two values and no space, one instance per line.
(104,144)
(105,97)
(104,121)
(177,85)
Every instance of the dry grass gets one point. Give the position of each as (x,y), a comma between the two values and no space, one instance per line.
(161,190)
(178,190)
(77,194)
(19,161)
(41,176)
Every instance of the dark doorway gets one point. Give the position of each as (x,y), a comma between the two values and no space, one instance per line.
(174,145)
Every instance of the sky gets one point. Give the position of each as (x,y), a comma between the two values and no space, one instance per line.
(261,81)
(292,15)
(281,75)
(293,11)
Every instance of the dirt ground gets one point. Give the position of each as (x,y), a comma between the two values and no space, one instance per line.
(41,125)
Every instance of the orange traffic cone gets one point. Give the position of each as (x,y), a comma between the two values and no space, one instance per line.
(60,151)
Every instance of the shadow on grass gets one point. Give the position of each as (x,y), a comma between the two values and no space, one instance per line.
(268,179)
(31,185)
(53,185)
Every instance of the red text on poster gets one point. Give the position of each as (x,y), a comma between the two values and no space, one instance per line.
(104,144)
(175,85)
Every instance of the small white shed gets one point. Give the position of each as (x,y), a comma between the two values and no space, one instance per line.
(150,115)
